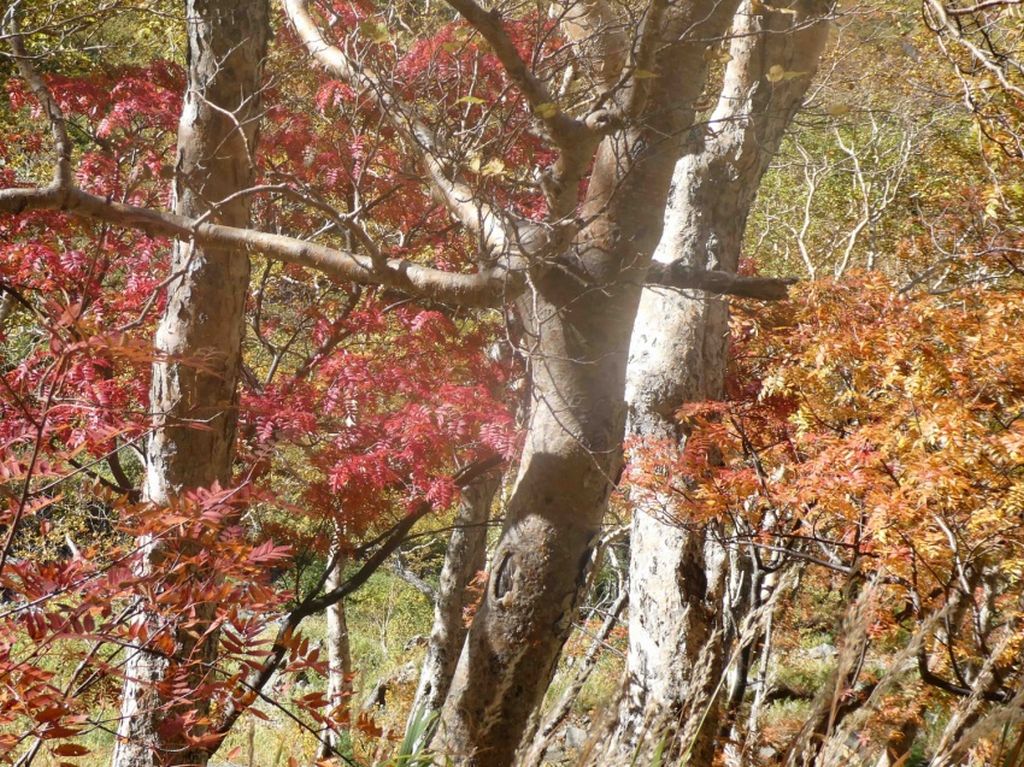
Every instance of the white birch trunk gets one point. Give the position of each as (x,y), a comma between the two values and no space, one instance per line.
(464,558)
(204,318)
(678,355)
(339,663)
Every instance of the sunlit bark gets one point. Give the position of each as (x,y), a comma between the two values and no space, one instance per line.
(195,409)
(677,355)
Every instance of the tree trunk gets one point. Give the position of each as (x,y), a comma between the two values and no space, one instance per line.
(678,355)
(539,566)
(339,665)
(203,321)
(577,320)
(463,560)
(743,595)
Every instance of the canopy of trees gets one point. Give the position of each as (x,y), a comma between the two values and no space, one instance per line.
(591,382)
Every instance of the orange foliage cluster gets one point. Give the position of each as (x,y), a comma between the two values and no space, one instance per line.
(872,432)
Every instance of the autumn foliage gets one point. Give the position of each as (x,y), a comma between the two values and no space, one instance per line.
(870,444)
(872,438)
(358,407)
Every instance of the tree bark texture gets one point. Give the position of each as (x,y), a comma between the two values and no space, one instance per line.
(678,355)
(339,663)
(577,317)
(193,395)
(464,559)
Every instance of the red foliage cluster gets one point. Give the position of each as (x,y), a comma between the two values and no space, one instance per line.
(357,404)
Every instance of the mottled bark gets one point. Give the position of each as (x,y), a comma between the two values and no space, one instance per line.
(339,663)
(678,355)
(193,395)
(577,319)
(463,560)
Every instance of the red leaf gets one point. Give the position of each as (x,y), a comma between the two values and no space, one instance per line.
(71,749)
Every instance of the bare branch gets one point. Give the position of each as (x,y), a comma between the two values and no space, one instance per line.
(563,128)
(400,569)
(58,126)
(316,602)
(563,708)
(485,288)
(681,276)
(499,234)
(576,139)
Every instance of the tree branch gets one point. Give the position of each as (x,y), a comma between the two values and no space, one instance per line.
(401,571)
(58,126)
(312,603)
(498,232)
(681,276)
(563,128)
(575,139)
(483,288)
(929,677)
(563,708)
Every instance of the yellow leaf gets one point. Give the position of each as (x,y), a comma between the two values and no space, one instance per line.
(777,72)
(546,110)
(494,167)
(644,74)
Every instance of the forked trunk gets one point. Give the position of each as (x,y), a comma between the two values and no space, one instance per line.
(577,319)
(195,405)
